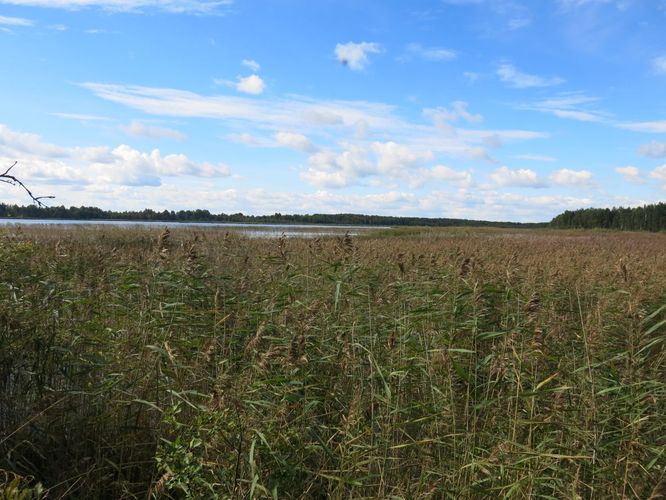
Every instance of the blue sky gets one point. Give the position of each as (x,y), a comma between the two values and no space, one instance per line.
(485,109)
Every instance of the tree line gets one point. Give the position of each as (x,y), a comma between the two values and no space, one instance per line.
(94,213)
(645,218)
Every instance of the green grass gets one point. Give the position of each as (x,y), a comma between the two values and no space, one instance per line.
(441,364)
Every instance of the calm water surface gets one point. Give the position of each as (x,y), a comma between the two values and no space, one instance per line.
(254,230)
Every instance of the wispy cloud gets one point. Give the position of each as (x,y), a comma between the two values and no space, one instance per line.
(251,64)
(519,80)
(174,6)
(80,117)
(532,157)
(653,127)
(572,106)
(138,129)
(355,55)
(568,5)
(431,53)
(443,116)
(16,21)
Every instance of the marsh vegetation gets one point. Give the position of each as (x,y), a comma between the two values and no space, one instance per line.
(459,363)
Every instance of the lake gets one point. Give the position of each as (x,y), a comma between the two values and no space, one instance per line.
(252,230)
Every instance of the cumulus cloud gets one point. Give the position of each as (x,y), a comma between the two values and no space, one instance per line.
(89,165)
(174,6)
(139,129)
(567,177)
(251,64)
(519,80)
(653,149)
(355,55)
(295,141)
(522,177)
(659,173)
(393,159)
(629,173)
(252,84)
(385,160)
(443,173)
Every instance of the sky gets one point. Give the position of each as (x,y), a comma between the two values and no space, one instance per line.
(481,109)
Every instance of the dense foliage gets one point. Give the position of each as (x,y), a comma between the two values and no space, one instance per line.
(440,364)
(94,213)
(645,218)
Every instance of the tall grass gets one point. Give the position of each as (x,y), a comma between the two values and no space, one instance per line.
(440,364)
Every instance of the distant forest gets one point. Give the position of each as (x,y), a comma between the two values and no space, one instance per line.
(94,213)
(645,218)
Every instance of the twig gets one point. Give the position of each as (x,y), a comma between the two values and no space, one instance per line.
(7,178)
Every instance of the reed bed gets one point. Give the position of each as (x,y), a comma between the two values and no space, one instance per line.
(412,364)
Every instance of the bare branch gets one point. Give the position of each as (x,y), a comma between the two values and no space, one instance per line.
(7,178)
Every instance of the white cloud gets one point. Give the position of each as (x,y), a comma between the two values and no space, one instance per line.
(572,106)
(522,177)
(355,55)
(295,141)
(659,64)
(432,53)
(58,27)
(97,165)
(659,173)
(516,79)
(443,116)
(249,140)
(384,160)
(80,117)
(629,173)
(326,120)
(15,21)
(654,127)
(139,129)
(567,177)
(653,149)
(251,64)
(394,159)
(531,157)
(471,76)
(174,6)
(252,84)
(457,177)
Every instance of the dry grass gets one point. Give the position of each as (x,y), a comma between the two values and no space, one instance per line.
(414,364)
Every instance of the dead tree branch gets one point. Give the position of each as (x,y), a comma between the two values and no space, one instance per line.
(8,178)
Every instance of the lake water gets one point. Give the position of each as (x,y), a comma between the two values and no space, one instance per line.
(254,230)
